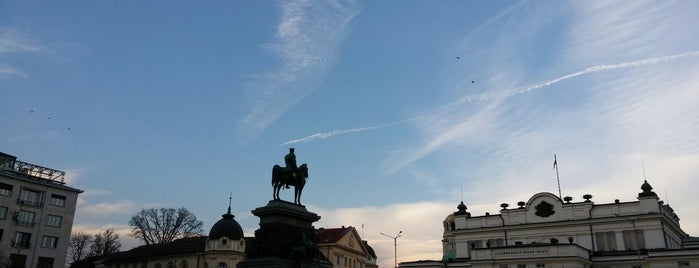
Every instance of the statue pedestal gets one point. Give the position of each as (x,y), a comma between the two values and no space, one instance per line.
(286,238)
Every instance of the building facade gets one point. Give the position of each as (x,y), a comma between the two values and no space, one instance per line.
(547,231)
(36,214)
(343,247)
(223,248)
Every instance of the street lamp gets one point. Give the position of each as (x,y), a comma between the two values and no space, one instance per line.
(395,248)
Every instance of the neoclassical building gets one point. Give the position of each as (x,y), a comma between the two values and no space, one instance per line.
(547,231)
(343,247)
(223,248)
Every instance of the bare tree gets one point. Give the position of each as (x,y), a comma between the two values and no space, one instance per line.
(105,243)
(78,246)
(155,226)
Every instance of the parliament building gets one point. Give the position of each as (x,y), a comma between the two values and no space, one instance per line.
(549,232)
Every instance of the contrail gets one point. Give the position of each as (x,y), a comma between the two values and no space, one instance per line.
(321,136)
(597,68)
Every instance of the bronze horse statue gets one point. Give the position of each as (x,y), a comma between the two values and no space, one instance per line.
(283,177)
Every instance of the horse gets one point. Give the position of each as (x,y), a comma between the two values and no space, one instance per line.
(283,177)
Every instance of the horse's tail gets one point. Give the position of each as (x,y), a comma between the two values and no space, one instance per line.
(275,173)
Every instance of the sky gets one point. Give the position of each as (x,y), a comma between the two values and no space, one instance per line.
(401,109)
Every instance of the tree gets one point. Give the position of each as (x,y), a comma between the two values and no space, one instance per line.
(105,243)
(155,226)
(78,246)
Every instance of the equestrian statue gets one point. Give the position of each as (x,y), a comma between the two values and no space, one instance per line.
(291,175)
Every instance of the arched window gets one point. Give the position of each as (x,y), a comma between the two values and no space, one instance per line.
(171,265)
(221,265)
(183,264)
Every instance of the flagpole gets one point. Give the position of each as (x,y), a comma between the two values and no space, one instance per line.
(555,165)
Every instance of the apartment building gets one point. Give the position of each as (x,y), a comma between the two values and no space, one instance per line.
(36,214)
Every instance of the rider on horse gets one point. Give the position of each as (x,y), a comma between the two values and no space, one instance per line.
(290,160)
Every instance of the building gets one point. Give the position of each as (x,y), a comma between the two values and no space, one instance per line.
(547,231)
(223,248)
(343,247)
(36,214)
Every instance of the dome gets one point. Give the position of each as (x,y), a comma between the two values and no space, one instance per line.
(227,227)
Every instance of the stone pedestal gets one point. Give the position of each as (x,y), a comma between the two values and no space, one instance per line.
(286,238)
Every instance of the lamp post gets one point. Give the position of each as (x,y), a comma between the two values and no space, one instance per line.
(395,247)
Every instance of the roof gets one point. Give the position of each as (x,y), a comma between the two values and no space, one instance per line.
(369,249)
(181,246)
(226,227)
(332,235)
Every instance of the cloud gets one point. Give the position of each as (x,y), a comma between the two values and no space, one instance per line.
(322,136)
(7,71)
(100,210)
(421,223)
(306,42)
(13,42)
(592,69)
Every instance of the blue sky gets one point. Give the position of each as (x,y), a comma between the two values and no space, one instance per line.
(399,108)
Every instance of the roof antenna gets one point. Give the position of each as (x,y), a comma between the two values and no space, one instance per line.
(462,193)
(667,197)
(644,170)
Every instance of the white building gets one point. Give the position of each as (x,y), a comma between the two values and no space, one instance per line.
(36,214)
(546,231)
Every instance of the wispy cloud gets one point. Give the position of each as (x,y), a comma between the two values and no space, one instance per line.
(12,43)
(307,40)
(325,135)
(597,68)
(7,71)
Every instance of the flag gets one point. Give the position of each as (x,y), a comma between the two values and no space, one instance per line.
(555,162)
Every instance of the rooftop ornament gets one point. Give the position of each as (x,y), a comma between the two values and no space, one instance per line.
(587,197)
(504,206)
(567,199)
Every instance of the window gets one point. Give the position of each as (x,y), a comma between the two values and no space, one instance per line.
(170,265)
(503,265)
(49,241)
(25,218)
(22,240)
(611,241)
(45,262)
(30,198)
(3,213)
(521,266)
(53,220)
(540,265)
(221,265)
(634,239)
(5,189)
(183,264)
(57,200)
(683,264)
(1,233)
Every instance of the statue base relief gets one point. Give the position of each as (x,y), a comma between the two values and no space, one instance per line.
(286,238)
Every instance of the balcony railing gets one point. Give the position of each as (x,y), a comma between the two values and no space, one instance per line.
(50,174)
(30,203)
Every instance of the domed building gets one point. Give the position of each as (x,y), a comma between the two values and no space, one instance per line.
(548,231)
(223,248)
